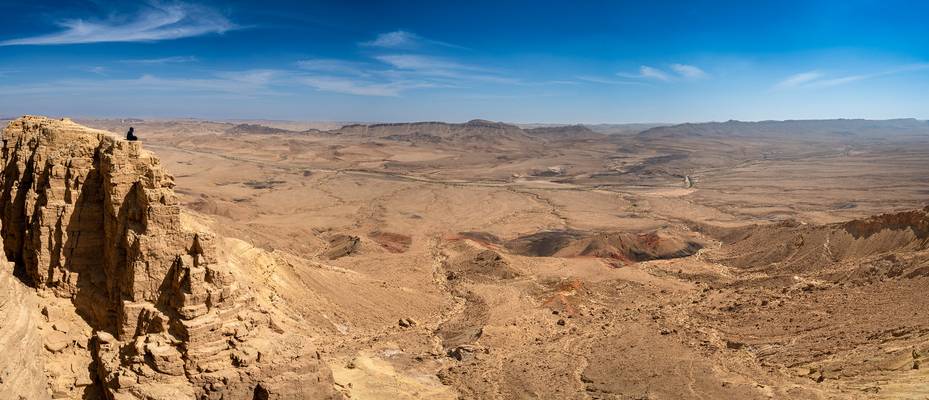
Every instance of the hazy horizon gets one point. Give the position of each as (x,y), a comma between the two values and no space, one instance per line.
(525,123)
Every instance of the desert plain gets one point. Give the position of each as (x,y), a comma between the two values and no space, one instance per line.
(486,260)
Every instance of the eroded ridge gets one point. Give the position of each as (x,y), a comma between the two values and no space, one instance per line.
(94,219)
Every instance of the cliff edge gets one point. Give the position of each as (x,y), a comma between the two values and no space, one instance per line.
(92,224)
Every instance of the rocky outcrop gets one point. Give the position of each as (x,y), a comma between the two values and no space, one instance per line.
(93,218)
(342,245)
(791,247)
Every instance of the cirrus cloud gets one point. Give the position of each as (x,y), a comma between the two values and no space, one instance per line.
(819,79)
(649,72)
(688,71)
(798,79)
(405,40)
(153,23)
(678,72)
(163,60)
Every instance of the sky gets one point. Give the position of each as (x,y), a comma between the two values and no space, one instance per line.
(517,61)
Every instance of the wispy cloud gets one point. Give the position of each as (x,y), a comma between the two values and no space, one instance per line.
(97,69)
(678,72)
(889,72)
(153,23)
(335,66)
(842,80)
(819,79)
(433,66)
(393,40)
(425,63)
(650,72)
(396,68)
(254,77)
(606,81)
(798,79)
(392,74)
(441,68)
(242,83)
(689,71)
(246,82)
(163,60)
(405,40)
(362,87)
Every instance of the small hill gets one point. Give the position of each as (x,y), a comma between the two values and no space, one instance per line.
(621,246)
(624,247)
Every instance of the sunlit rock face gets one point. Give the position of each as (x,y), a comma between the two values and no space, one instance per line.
(94,219)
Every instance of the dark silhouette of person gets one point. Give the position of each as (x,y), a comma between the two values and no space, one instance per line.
(130,136)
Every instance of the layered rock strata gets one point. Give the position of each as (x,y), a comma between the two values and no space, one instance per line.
(92,218)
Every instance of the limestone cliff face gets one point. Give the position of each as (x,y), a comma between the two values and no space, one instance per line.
(93,218)
(21,366)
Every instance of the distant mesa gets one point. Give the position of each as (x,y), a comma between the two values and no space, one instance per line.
(244,129)
(792,128)
(471,133)
(473,130)
(572,132)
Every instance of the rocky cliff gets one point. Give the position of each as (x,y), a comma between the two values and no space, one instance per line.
(93,219)
(22,365)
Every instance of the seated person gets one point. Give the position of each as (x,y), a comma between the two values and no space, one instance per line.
(130,136)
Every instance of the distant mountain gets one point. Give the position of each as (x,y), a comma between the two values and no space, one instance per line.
(472,132)
(299,126)
(794,128)
(606,129)
(623,129)
(569,132)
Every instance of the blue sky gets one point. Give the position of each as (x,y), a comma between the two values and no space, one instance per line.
(518,61)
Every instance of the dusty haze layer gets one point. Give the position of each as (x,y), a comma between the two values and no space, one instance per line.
(480,260)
